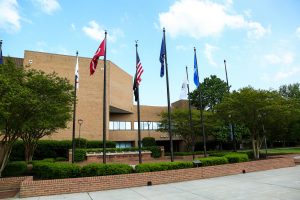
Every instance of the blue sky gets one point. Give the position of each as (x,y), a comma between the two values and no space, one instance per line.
(260,39)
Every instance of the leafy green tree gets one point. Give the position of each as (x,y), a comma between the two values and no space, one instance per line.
(51,100)
(213,90)
(13,99)
(290,91)
(247,106)
(181,125)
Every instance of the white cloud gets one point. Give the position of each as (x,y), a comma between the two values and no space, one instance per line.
(286,74)
(181,48)
(73,27)
(298,32)
(47,6)
(283,59)
(9,15)
(201,18)
(96,32)
(208,52)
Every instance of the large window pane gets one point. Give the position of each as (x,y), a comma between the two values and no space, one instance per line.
(128,125)
(155,125)
(111,125)
(122,126)
(116,126)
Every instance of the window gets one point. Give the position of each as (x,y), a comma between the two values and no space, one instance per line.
(117,125)
(123,145)
(146,125)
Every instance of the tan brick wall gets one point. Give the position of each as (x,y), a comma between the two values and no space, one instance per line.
(88,184)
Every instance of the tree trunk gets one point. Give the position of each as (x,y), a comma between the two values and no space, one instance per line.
(30,147)
(255,147)
(5,149)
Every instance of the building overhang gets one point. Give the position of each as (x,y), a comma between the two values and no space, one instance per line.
(115,110)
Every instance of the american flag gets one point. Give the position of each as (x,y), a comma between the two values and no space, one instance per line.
(139,69)
(137,78)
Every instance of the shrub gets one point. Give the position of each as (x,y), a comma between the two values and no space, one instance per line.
(209,161)
(51,160)
(80,143)
(184,153)
(80,155)
(17,152)
(218,154)
(148,142)
(60,159)
(236,157)
(48,170)
(99,144)
(15,168)
(95,169)
(155,151)
(153,167)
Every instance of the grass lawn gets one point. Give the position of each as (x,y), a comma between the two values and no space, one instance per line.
(283,150)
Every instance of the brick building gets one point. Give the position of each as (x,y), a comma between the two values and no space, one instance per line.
(121,112)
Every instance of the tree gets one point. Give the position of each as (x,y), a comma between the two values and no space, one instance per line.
(249,107)
(213,90)
(290,91)
(13,99)
(51,100)
(181,125)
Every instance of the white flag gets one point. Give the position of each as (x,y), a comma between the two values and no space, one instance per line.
(184,90)
(77,73)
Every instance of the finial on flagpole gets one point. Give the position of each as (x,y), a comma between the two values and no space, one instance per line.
(136,43)
(194,49)
(164,30)
(224,61)
(77,53)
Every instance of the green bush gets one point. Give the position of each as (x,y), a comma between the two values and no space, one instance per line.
(60,159)
(148,142)
(99,144)
(80,155)
(53,148)
(95,169)
(153,167)
(51,160)
(209,161)
(155,151)
(80,143)
(15,168)
(236,157)
(48,170)
(17,153)
(184,153)
(218,154)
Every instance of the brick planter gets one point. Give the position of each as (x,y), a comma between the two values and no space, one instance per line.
(31,188)
(118,157)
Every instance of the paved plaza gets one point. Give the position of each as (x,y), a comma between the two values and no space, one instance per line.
(278,184)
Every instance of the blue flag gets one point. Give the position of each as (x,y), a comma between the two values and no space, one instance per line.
(1,58)
(196,76)
(162,57)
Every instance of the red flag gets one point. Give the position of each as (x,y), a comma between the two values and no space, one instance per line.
(100,52)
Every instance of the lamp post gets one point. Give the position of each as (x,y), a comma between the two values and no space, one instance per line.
(80,121)
(148,123)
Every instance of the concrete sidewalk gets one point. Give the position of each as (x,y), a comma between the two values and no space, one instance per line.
(265,185)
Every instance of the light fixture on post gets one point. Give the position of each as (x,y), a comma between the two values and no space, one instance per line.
(80,121)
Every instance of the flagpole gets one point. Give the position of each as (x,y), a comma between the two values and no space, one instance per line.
(104,104)
(231,125)
(1,57)
(138,106)
(168,94)
(74,113)
(190,113)
(201,114)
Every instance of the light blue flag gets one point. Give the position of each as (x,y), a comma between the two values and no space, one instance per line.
(196,76)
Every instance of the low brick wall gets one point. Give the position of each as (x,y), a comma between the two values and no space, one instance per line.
(12,183)
(60,186)
(118,157)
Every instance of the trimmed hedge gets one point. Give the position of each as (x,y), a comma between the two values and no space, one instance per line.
(53,148)
(99,144)
(148,142)
(80,143)
(209,161)
(52,170)
(15,168)
(163,166)
(184,153)
(95,169)
(80,155)
(236,157)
